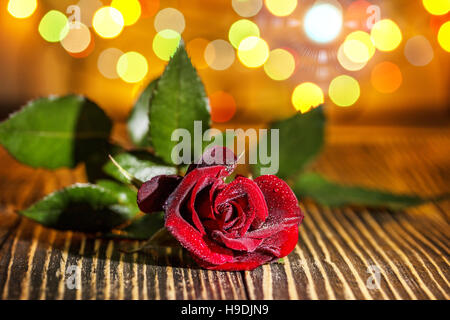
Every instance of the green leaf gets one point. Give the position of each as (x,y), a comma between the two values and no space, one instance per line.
(127,196)
(85,207)
(333,194)
(142,228)
(141,165)
(138,122)
(56,132)
(178,100)
(301,138)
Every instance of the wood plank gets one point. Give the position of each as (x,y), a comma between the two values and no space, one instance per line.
(337,251)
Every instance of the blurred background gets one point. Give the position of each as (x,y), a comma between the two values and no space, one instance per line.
(372,62)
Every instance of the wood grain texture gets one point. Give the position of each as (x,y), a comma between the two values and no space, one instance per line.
(338,250)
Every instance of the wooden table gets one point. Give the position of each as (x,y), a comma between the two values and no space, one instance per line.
(337,251)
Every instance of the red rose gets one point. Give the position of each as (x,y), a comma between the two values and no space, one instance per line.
(234,226)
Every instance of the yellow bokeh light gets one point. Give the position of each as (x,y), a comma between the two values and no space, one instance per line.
(54,26)
(78,38)
(253,52)
(242,29)
(130,9)
(444,36)
(386,35)
(346,63)
(165,43)
(363,47)
(281,8)
(307,95)
(22,9)
(437,7)
(356,51)
(108,22)
(344,91)
(132,67)
(280,65)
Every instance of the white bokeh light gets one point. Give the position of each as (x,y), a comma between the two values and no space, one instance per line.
(323,23)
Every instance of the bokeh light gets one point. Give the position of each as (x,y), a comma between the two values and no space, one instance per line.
(418,51)
(323,22)
(130,9)
(132,67)
(281,8)
(386,35)
(242,29)
(356,51)
(107,62)
(149,7)
(223,106)
(170,18)
(87,10)
(78,38)
(86,52)
(108,22)
(307,95)
(247,8)
(437,7)
(253,52)
(54,26)
(346,63)
(280,65)
(219,54)
(444,36)
(165,43)
(386,77)
(196,51)
(356,14)
(344,91)
(21,9)
(358,47)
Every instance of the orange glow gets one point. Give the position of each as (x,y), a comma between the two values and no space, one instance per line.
(437,21)
(223,106)
(386,77)
(149,8)
(196,51)
(356,14)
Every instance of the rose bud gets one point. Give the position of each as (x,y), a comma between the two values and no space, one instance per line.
(236,226)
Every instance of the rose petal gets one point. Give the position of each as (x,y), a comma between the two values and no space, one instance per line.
(248,261)
(214,156)
(241,243)
(153,193)
(205,204)
(280,230)
(247,193)
(189,237)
